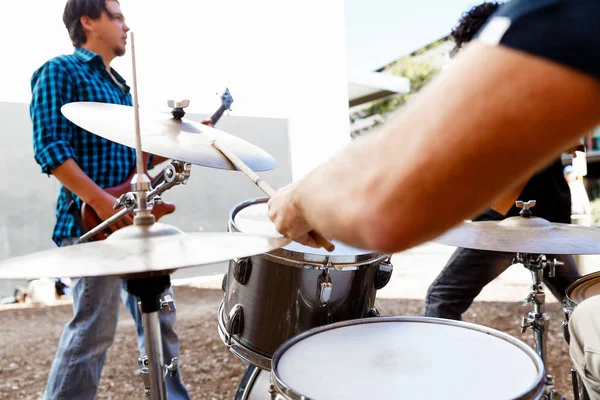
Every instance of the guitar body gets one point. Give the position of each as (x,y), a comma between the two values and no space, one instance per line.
(90,219)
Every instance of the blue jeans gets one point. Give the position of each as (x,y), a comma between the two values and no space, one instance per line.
(78,362)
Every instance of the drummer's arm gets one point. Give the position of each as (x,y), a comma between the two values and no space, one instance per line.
(496,116)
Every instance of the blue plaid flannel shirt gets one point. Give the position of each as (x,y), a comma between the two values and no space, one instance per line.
(80,76)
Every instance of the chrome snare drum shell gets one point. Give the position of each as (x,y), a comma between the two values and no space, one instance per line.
(273,296)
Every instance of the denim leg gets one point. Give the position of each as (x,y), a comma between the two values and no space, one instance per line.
(563,277)
(170,341)
(131,304)
(78,362)
(462,279)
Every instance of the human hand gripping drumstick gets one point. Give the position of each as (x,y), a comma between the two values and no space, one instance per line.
(266,188)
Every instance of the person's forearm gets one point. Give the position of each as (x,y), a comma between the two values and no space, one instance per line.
(468,136)
(74,179)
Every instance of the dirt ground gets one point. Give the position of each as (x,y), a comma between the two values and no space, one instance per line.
(29,338)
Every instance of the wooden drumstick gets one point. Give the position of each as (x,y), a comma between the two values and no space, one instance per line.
(266,188)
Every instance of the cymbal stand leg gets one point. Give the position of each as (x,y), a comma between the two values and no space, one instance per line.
(537,319)
(148,292)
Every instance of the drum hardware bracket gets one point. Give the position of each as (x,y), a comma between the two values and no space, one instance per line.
(235,322)
(172,368)
(168,303)
(179,174)
(145,375)
(552,394)
(324,286)
(383,274)
(242,270)
(565,324)
(373,312)
(224,283)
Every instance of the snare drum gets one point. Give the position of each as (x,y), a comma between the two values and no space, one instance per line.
(408,358)
(583,288)
(272,297)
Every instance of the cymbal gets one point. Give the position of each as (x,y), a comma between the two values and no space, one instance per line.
(136,251)
(524,235)
(163,135)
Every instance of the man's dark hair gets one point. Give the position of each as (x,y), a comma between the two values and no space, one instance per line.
(75,9)
(471,21)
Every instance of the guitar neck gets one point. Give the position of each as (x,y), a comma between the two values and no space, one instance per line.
(217,115)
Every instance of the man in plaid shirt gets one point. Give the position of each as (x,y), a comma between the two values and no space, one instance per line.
(85,163)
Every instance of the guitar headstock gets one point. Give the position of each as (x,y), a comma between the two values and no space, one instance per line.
(226,99)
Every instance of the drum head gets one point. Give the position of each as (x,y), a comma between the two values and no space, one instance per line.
(252,217)
(404,357)
(585,287)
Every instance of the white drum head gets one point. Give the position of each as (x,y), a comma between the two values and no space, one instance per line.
(407,359)
(254,219)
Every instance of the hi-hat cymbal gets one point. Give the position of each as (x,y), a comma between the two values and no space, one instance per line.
(163,135)
(136,251)
(524,235)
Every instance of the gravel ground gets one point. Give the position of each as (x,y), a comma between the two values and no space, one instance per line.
(30,335)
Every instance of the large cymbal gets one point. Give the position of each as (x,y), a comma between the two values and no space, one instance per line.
(136,251)
(524,235)
(165,136)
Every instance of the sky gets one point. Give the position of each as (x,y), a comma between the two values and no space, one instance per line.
(380,31)
(194,49)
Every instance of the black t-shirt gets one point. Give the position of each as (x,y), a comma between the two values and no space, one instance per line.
(550,191)
(564,31)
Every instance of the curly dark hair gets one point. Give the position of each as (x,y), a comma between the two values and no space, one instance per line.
(75,9)
(471,21)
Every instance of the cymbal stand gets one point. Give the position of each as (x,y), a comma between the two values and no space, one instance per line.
(537,319)
(153,371)
(148,291)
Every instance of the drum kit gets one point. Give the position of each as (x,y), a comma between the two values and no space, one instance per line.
(304,319)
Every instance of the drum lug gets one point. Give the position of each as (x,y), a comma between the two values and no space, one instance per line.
(235,322)
(373,312)
(565,324)
(324,288)
(224,282)
(383,273)
(242,270)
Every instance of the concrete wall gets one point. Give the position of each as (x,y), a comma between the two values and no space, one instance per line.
(28,197)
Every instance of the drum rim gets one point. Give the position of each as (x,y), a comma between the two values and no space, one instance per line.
(570,302)
(535,389)
(296,256)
